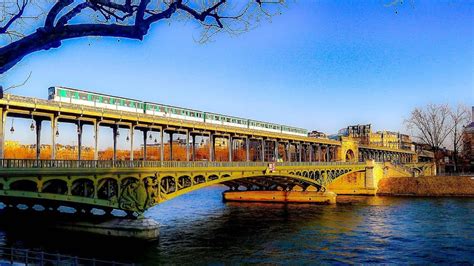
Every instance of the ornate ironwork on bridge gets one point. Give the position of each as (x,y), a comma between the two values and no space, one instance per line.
(134,186)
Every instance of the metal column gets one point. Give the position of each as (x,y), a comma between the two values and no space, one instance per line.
(311,151)
(193,148)
(263,150)
(328,154)
(187,146)
(54,123)
(162,145)
(247,149)
(96,140)
(38,138)
(230,148)
(299,151)
(211,147)
(115,132)
(131,142)
(79,139)
(276,151)
(319,153)
(287,150)
(171,145)
(145,133)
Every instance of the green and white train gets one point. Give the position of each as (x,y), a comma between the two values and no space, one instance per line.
(99,100)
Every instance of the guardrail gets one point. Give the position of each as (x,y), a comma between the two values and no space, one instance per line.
(32,163)
(15,256)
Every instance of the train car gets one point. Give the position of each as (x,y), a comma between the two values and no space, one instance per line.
(226,120)
(294,131)
(82,97)
(265,126)
(173,112)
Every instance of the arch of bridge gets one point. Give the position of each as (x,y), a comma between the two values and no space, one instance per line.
(137,192)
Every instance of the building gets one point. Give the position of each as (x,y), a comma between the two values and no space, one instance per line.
(364,135)
(317,134)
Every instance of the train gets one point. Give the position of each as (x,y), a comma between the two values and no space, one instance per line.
(93,99)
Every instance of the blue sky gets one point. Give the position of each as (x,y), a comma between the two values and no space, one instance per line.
(320,65)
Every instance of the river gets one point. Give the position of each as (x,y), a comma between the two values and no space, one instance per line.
(199,228)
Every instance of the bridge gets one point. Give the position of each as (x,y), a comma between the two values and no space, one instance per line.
(272,162)
(134,186)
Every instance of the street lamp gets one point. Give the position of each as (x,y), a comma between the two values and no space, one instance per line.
(12,129)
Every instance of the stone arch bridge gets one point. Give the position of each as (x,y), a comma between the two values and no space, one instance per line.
(134,186)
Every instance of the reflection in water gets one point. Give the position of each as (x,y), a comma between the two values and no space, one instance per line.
(199,227)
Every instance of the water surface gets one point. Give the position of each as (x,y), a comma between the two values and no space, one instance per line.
(200,228)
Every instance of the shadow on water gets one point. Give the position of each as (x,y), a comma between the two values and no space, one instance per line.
(200,228)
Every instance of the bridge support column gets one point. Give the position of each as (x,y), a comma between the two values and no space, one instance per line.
(193,148)
(132,130)
(96,140)
(115,135)
(311,151)
(171,145)
(187,146)
(2,135)
(211,147)
(300,147)
(287,151)
(54,125)
(230,148)
(145,133)
(276,151)
(247,149)
(162,145)
(319,153)
(263,150)
(38,138)
(328,153)
(79,139)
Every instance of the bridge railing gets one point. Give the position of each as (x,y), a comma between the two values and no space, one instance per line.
(19,256)
(32,163)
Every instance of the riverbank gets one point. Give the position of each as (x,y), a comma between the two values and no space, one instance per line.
(462,186)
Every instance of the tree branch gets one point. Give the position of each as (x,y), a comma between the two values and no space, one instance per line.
(60,5)
(14,18)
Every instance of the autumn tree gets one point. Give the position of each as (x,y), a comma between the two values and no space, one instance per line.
(28,26)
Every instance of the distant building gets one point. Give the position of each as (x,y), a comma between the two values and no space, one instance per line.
(317,134)
(364,135)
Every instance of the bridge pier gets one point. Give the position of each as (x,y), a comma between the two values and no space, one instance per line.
(144,229)
(281,196)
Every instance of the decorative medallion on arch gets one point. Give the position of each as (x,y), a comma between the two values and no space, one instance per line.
(350,156)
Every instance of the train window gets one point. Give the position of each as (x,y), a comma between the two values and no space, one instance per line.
(62,93)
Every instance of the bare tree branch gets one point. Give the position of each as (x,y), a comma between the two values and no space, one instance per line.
(120,18)
(15,17)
